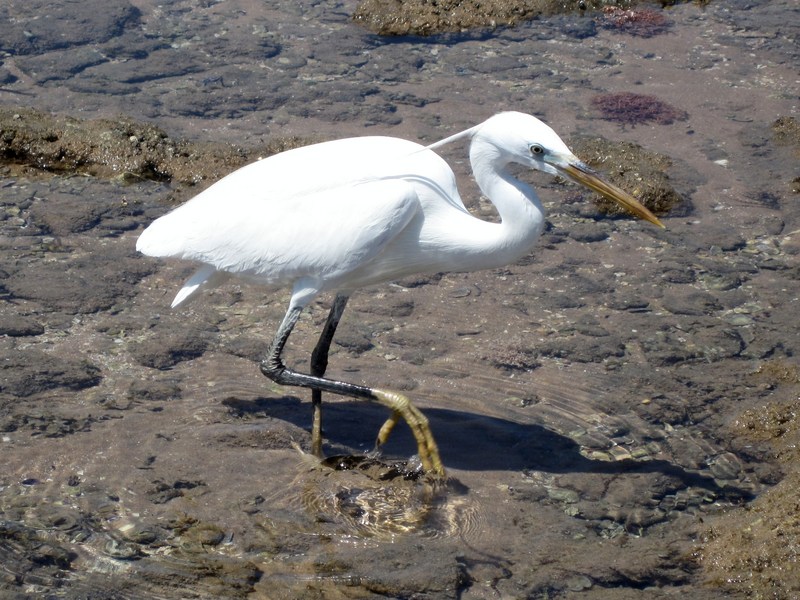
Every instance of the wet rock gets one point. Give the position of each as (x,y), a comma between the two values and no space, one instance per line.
(163,492)
(623,301)
(198,536)
(655,565)
(217,576)
(27,372)
(496,64)
(573,286)
(19,326)
(140,535)
(159,63)
(122,550)
(245,346)
(49,425)
(114,148)
(150,391)
(587,325)
(641,173)
(163,351)
(678,274)
(723,239)
(414,281)
(528,492)
(129,44)
(6,77)
(695,343)
(693,302)
(389,307)
(77,210)
(415,346)
(38,26)
(580,348)
(410,99)
(752,549)
(786,131)
(353,341)
(215,98)
(579,29)
(82,84)
(78,284)
(57,519)
(62,65)
(665,349)
(263,439)
(559,300)
(563,495)
(518,355)
(587,233)
(732,299)
(388,17)
(50,554)
(721,282)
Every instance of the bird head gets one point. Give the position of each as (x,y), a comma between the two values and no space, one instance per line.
(514,137)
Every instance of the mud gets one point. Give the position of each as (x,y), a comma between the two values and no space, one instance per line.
(616,411)
(34,142)
(765,534)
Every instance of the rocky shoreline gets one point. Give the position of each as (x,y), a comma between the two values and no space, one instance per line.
(617,411)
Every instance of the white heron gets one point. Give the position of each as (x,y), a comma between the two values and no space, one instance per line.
(349,213)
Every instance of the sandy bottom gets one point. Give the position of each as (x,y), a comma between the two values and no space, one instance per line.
(616,412)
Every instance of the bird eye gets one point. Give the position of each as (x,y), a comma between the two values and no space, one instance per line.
(536,149)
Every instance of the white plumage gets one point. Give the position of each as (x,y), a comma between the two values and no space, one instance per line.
(354,212)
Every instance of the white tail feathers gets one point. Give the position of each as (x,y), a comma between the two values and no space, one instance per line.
(204,278)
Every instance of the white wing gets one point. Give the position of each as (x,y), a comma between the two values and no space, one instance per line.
(318,211)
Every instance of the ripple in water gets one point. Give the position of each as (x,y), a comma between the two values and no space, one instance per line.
(369,498)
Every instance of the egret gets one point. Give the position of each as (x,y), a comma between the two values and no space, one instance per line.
(340,215)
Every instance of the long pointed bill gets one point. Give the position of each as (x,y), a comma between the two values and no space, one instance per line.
(581,173)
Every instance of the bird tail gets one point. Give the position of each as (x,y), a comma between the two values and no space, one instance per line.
(204,278)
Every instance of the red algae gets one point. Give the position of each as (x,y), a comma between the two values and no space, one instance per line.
(634,109)
(640,22)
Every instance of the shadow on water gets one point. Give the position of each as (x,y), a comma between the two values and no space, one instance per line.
(473,442)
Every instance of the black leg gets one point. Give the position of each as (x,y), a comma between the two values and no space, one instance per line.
(272,366)
(319,363)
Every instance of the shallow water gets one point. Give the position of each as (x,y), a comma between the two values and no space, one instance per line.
(582,399)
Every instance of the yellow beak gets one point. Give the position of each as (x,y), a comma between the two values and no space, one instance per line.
(580,173)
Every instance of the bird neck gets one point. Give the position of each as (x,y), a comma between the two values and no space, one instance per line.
(521,212)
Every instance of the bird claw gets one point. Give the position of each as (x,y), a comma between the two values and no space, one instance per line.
(402,408)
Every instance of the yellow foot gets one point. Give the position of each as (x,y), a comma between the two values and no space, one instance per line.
(402,408)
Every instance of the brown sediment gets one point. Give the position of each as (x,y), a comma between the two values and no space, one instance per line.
(758,549)
(33,141)
(424,18)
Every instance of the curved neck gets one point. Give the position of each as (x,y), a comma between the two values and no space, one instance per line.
(521,212)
